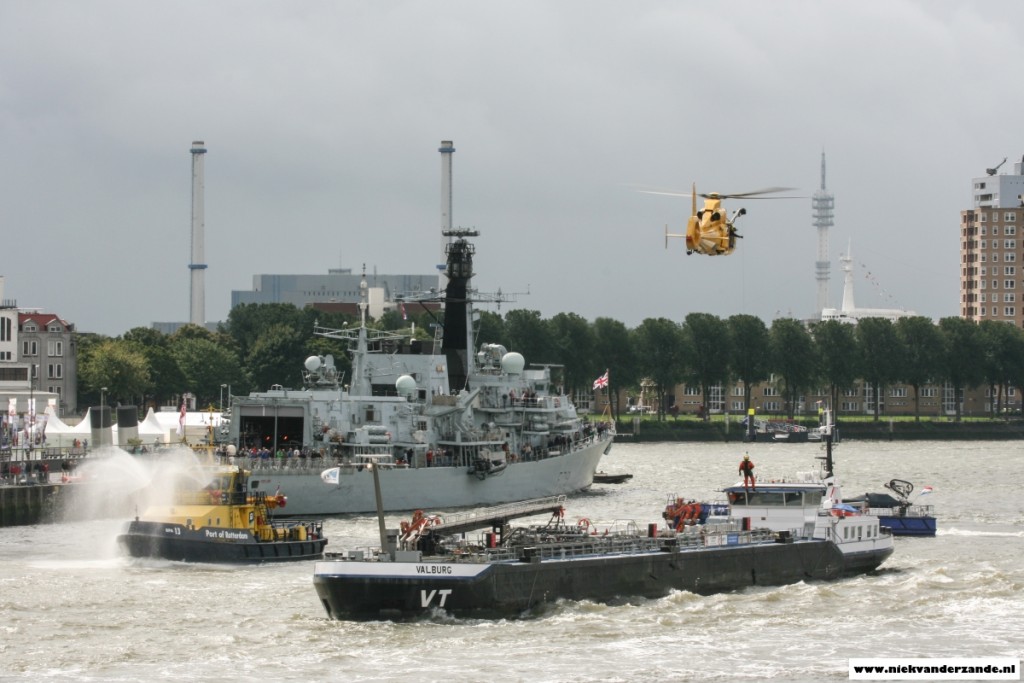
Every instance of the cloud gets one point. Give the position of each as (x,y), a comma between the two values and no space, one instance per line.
(323,120)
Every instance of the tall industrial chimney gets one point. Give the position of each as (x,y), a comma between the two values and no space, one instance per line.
(197,309)
(447,150)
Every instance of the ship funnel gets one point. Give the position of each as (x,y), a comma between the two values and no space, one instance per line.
(127,425)
(99,424)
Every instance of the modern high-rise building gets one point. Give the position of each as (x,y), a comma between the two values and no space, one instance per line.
(991,275)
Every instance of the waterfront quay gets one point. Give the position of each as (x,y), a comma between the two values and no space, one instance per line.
(32,481)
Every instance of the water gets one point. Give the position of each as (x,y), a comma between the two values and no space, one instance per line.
(73,609)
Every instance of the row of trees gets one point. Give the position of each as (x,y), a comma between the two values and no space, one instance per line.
(265,344)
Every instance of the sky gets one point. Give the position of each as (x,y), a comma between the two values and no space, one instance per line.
(323,121)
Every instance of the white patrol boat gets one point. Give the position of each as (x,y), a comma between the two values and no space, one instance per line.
(811,505)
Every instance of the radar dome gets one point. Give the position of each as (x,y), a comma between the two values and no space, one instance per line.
(313,363)
(405,385)
(513,363)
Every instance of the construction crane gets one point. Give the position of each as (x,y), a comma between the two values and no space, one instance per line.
(992,171)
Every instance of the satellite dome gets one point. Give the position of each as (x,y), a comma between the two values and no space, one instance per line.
(313,363)
(513,363)
(405,385)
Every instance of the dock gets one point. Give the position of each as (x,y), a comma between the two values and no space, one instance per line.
(27,503)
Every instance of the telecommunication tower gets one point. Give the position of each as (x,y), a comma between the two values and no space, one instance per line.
(822,203)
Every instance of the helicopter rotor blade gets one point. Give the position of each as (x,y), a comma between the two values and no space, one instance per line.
(667,194)
(723,195)
(753,195)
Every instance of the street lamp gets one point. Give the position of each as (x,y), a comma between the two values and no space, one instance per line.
(222,388)
(31,417)
(102,420)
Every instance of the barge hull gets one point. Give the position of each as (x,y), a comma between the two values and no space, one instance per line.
(374,590)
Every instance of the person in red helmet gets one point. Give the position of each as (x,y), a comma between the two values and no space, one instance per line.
(747,470)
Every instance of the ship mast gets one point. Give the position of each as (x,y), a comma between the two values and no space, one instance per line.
(360,384)
(458,332)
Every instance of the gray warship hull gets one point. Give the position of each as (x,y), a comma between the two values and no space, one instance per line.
(437,487)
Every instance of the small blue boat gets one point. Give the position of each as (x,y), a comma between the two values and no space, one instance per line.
(897,512)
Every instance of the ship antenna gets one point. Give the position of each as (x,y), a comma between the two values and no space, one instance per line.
(364,291)
(827,428)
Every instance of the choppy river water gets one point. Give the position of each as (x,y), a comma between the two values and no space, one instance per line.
(73,609)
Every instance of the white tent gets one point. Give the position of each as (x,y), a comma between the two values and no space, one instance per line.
(150,430)
(58,434)
(83,429)
(158,427)
(197,425)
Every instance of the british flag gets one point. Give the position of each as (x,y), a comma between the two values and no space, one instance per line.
(601,382)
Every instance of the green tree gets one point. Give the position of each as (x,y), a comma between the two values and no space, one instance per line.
(1015,372)
(836,350)
(191,331)
(997,338)
(573,339)
(167,380)
(205,365)
(708,350)
(613,351)
(794,358)
(120,367)
(277,357)
(88,387)
(880,358)
(490,329)
(659,347)
(751,354)
(530,335)
(921,352)
(963,349)
(248,322)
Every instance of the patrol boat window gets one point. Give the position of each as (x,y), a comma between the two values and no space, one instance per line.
(767,498)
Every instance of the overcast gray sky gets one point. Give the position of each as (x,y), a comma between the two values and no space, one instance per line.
(323,119)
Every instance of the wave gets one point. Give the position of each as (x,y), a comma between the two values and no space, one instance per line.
(972,532)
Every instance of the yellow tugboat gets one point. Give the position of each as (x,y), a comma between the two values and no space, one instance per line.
(223,521)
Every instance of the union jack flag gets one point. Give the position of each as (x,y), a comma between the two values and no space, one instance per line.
(601,382)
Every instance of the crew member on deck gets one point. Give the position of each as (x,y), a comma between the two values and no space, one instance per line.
(747,470)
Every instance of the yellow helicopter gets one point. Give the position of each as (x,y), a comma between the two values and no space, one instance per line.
(711,231)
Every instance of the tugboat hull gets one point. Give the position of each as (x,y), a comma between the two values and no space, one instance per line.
(211,544)
(396,590)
